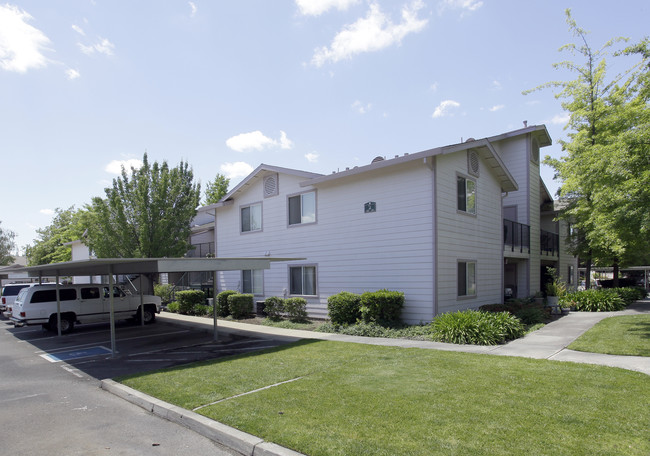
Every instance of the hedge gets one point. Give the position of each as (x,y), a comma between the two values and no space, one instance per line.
(223,308)
(383,306)
(187,299)
(344,308)
(240,305)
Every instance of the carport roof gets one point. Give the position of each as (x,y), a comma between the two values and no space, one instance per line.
(101,266)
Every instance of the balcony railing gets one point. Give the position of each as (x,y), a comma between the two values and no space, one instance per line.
(201,250)
(549,243)
(516,236)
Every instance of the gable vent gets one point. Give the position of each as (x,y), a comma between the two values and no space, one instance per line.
(473,163)
(270,185)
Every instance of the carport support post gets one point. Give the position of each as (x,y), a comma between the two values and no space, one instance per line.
(141,303)
(112,303)
(58,305)
(215,330)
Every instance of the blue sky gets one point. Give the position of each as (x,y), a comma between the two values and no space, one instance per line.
(320,85)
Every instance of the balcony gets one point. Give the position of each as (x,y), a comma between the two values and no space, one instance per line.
(549,243)
(516,236)
(201,250)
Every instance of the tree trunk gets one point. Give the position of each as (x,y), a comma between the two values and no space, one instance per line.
(616,271)
(588,272)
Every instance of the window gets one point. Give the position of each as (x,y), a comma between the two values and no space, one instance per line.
(466,195)
(90,293)
(302,280)
(65,294)
(302,208)
(117,293)
(252,281)
(251,218)
(466,278)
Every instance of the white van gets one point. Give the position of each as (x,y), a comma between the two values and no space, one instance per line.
(8,296)
(80,303)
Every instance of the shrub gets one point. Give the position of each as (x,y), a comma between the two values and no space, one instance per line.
(164,291)
(383,306)
(531,315)
(240,305)
(172,307)
(592,300)
(187,299)
(476,327)
(344,308)
(223,309)
(273,307)
(296,308)
(630,294)
(201,310)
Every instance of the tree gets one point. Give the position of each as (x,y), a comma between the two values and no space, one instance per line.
(49,248)
(216,189)
(592,184)
(145,215)
(6,246)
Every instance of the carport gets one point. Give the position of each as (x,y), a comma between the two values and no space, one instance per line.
(124,266)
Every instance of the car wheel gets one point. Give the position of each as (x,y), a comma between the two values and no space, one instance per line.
(67,324)
(149,315)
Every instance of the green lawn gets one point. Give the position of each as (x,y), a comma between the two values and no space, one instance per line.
(355,399)
(624,335)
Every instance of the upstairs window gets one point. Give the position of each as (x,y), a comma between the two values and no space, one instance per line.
(466,195)
(251,218)
(302,208)
(466,278)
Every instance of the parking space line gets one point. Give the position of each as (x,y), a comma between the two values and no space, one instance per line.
(76,354)
(72,371)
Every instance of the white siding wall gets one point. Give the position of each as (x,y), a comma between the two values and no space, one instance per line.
(353,251)
(464,237)
(566,259)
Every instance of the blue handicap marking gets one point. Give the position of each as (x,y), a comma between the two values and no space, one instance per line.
(76,354)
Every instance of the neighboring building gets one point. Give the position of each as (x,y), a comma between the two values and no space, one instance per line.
(451,227)
(8,273)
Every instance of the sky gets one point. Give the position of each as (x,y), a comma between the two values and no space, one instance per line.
(87,86)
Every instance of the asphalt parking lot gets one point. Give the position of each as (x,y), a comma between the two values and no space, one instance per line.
(87,350)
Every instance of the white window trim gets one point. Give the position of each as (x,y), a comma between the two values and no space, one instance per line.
(302,266)
(467,262)
(474,180)
(315,208)
(261,293)
(244,206)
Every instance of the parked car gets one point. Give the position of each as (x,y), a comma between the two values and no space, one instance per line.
(80,303)
(9,293)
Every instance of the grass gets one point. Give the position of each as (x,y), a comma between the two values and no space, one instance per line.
(624,335)
(355,399)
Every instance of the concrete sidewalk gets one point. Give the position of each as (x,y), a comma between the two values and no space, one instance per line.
(549,342)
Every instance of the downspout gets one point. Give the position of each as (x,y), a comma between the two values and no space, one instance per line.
(434,221)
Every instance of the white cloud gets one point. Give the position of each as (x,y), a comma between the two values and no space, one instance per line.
(465,5)
(78,29)
(115,166)
(444,108)
(318,7)
(374,32)
(72,74)
(256,140)
(47,211)
(102,47)
(560,119)
(433,87)
(361,108)
(285,143)
(497,108)
(496,85)
(193,8)
(312,157)
(21,45)
(236,170)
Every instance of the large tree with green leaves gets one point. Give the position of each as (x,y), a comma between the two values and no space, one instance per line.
(49,248)
(216,189)
(595,171)
(146,214)
(7,244)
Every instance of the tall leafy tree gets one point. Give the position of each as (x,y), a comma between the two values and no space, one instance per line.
(146,214)
(216,189)
(598,106)
(7,244)
(49,247)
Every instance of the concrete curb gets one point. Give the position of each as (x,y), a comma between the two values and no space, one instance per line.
(227,436)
